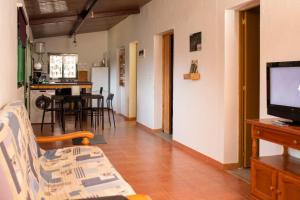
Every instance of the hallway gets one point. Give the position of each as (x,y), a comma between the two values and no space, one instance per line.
(155,167)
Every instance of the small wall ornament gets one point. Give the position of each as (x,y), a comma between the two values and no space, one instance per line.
(193,74)
(142,53)
(196,42)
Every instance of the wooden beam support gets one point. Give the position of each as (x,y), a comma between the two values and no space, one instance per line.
(97,15)
(52,20)
(116,13)
(82,17)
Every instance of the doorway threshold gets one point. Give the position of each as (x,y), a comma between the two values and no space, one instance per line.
(165,136)
(241,173)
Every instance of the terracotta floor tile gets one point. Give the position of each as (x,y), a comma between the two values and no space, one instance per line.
(155,167)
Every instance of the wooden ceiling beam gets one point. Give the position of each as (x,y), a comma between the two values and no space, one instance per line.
(39,21)
(83,15)
(52,20)
(116,13)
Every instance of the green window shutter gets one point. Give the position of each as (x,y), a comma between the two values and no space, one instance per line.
(21,64)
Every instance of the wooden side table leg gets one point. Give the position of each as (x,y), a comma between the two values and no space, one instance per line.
(254,145)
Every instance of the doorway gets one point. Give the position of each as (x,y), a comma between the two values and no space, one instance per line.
(249,78)
(167,89)
(132,104)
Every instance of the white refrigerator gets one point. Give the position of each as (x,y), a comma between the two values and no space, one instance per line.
(100,78)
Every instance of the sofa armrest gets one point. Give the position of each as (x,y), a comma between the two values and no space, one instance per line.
(139,197)
(86,135)
(119,197)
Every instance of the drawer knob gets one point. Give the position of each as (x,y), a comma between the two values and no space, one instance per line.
(258,132)
(295,142)
(272,188)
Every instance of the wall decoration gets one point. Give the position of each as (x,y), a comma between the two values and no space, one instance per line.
(196,42)
(193,74)
(122,67)
(194,66)
(142,53)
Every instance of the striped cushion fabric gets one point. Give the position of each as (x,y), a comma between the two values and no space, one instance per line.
(28,172)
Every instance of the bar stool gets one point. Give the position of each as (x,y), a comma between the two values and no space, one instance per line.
(109,107)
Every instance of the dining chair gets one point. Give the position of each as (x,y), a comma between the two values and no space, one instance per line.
(93,105)
(72,105)
(53,105)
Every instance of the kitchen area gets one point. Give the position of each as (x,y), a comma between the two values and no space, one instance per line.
(65,70)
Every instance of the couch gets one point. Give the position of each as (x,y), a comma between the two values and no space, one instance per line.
(29,172)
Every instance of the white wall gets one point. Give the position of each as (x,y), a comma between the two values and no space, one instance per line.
(194,124)
(9,90)
(205,111)
(90,48)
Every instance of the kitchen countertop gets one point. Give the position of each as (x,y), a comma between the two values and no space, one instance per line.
(61,85)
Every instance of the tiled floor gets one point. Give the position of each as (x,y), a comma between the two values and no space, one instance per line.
(153,166)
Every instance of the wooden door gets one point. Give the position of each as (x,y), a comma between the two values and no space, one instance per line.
(132,105)
(167,83)
(264,181)
(249,78)
(288,187)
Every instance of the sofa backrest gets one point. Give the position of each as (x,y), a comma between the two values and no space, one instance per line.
(18,153)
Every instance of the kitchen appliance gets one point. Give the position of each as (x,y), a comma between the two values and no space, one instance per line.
(36,110)
(100,78)
(39,49)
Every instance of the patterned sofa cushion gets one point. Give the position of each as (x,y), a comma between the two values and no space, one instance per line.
(80,172)
(70,173)
(16,158)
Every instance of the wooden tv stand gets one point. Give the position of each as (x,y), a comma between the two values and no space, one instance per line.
(275,177)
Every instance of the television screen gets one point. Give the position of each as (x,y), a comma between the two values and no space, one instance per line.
(285,86)
(283,81)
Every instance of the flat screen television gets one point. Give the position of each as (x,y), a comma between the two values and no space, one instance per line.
(283,90)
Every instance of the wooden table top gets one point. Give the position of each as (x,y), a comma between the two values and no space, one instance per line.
(86,85)
(271,124)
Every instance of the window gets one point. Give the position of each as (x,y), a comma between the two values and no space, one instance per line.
(56,66)
(63,66)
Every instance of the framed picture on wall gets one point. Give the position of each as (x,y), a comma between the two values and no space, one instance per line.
(196,42)
(122,67)
(142,53)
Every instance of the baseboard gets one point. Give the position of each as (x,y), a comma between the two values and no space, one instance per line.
(127,118)
(193,152)
(147,129)
(199,155)
(205,158)
(231,166)
(131,119)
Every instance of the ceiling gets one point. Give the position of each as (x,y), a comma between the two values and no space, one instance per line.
(48,18)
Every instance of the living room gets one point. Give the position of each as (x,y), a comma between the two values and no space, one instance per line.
(210,128)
